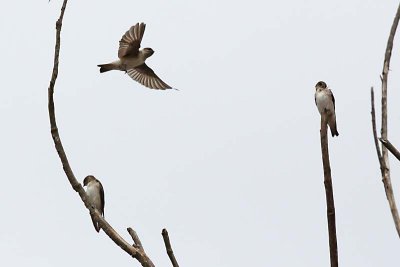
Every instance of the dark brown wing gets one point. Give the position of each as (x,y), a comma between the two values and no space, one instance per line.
(103,203)
(333,99)
(146,76)
(130,42)
(95,224)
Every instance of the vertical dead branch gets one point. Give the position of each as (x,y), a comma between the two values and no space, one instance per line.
(378,151)
(135,251)
(384,159)
(168,247)
(330,204)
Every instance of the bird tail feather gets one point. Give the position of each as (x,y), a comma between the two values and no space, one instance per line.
(106,67)
(333,126)
(95,224)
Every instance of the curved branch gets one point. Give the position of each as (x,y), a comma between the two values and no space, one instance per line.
(136,253)
(384,163)
(385,73)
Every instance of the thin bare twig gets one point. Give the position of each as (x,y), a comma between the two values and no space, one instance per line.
(131,250)
(378,151)
(135,238)
(168,247)
(391,147)
(330,203)
(384,161)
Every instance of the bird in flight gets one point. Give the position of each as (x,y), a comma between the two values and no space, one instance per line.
(325,102)
(132,60)
(95,193)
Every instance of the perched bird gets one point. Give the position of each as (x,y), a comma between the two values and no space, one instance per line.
(326,105)
(132,60)
(95,192)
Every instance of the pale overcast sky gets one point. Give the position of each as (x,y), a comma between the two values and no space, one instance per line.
(230,164)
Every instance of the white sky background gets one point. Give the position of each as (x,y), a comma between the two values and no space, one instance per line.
(230,164)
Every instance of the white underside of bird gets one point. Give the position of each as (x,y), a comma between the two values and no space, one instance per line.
(324,103)
(93,191)
(128,63)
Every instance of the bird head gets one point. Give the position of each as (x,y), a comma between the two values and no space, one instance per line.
(148,52)
(320,84)
(88,179)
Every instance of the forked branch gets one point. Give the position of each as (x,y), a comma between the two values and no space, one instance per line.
(383,156)
(135,251)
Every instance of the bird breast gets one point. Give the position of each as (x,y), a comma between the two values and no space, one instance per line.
(93,191)
(324,102)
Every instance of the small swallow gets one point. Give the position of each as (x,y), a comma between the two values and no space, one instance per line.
(95,192)
(132,60)
(325,102)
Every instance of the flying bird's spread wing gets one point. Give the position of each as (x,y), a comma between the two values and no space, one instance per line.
(130,42)
(146,76)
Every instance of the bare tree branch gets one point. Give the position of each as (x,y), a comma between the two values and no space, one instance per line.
(378,151)
(137,253)
(384,159)
(330,204)
(385,73)
(391,147)
(135,238)
(168,247)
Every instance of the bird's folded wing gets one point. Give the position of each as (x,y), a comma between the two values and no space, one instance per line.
(333,98)
(102,199)
(146,76)
(130,41)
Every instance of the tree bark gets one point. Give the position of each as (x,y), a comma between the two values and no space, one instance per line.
(330,204)
(168,247)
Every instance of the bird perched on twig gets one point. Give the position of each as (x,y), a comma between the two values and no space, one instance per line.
(95,193)
(132,60)
(325,102)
